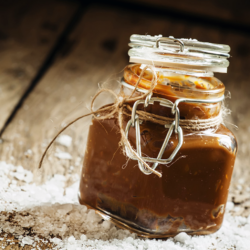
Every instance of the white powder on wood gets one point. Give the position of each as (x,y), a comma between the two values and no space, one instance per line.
(62,155)
(64,140)
(55,214)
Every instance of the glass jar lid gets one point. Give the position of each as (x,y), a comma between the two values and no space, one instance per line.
(185,56)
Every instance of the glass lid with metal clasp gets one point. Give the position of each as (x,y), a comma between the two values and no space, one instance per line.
(177,129)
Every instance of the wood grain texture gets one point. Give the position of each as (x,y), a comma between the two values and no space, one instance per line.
(95,50)
(28,31)
(10,242)
(234,12)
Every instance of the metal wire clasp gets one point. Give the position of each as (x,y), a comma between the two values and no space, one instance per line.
(161,39)
(135,122)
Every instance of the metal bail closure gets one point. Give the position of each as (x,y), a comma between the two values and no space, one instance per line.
(135,122)
(180,56)
(162,39)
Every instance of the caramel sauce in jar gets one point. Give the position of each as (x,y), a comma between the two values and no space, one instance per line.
(192,193)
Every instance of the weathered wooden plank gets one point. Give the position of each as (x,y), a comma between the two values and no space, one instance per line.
(28,31)
(9,242)
(92,54)
(232,12)
(96,50)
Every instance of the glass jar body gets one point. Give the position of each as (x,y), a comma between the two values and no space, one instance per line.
(190,197)
(192,193)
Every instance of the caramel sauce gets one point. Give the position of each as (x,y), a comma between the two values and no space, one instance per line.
(192,193)
(190,196)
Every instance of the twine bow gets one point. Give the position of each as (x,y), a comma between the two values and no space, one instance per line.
(116,108)
(120,108)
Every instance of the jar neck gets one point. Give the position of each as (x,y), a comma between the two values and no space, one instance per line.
(172,87)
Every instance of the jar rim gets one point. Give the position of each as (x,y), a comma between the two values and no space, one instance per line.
(131,77)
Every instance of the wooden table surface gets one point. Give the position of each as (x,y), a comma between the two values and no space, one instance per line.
(54,54)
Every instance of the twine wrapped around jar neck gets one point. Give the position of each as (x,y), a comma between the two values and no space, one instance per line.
(120,108)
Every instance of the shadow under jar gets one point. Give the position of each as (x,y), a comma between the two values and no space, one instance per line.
(192,193)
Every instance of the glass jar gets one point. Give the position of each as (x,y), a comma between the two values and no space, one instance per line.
(192,193)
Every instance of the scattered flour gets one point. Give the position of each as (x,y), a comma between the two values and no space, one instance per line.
(64,140)
(182,237)
(53,212)
(62,155)
(27,241)
(230,206)
(28,153)
(21,174)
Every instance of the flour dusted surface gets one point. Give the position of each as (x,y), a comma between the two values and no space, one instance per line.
(53,213)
